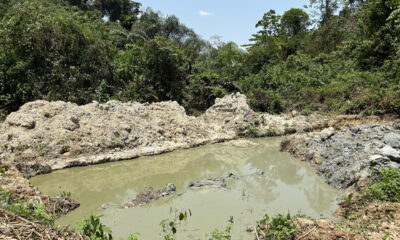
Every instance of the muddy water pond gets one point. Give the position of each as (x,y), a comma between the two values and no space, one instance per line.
(286,185)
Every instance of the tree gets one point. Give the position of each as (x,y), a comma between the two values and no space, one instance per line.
(48,52)
(164,68)
(377,34)
(270,24)
(295,21)
(125,11)
(266,43)
(326,8)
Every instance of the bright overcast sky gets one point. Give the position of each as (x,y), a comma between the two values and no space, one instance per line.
(233,20)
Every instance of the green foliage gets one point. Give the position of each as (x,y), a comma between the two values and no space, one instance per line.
(94,229)
(385,186)
(306,112)
(221,235)
(133,236)
(344,61)
(348,205)
(295,21)
(204,87)
(5,196)
(169,226)
(325,9)
(280,227)
(64,194)
(46,52)
(251,131)
(29,208)
(378,23)
(2,171)
(271,132)
(289,129)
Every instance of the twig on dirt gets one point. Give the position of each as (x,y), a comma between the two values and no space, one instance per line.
(306,233)
(255,230)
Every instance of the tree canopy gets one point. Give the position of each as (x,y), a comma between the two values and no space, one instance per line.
(334,56)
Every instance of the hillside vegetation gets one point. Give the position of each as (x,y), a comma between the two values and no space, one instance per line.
(333,56)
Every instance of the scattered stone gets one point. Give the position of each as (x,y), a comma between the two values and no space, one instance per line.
(344,157)
(391,153)
(216,182)
(146,196)
(232,176)
(327,133)
(258,173)
(393,139)
(170,189)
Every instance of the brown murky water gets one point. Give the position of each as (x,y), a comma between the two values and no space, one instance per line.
(287,185)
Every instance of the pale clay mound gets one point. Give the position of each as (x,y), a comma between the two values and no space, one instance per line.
(44,136)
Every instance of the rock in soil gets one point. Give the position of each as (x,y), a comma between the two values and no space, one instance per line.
(344,158)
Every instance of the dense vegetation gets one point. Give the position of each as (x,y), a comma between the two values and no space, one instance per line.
(334,56)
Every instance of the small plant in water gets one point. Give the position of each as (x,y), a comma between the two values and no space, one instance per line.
(169,226)
(64,194)
(221,235)
(132,236)
(94,229)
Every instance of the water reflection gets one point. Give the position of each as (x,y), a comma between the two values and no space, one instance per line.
(287,185)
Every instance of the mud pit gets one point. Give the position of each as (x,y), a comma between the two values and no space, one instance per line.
(286,185)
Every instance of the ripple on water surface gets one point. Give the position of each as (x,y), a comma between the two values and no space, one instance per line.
(287,185)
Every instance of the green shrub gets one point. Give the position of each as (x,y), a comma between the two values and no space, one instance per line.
(385,186)
(28,208)
(132,236)
(306,112)
(271,132)
(65,194)
(280,227)
(347,207)
(222,235)
(251,131)
(267,101)
(169,226)
(290,130)
(94,229)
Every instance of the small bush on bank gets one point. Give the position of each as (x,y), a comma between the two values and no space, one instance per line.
(29,208)
(306,112)
(252,131)
(279,228)
(385,186)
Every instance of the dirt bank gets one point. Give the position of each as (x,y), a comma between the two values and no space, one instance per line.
(45,136)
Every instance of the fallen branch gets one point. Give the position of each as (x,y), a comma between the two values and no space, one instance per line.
(306,233)
(255,230)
